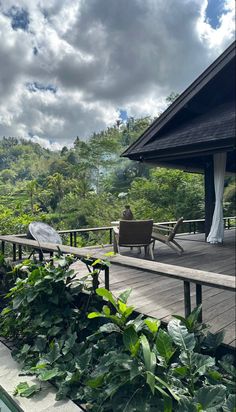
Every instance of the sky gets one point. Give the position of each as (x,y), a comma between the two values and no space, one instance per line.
(73,67)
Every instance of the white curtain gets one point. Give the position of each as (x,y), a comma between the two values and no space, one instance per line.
(216,234)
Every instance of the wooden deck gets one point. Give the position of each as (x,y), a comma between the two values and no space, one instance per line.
(159,296)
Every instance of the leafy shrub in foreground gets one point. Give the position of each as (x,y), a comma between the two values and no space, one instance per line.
(98,353)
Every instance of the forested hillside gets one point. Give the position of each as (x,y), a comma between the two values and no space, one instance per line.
(89,184)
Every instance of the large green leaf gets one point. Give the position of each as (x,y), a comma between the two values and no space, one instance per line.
(181,371)
(109,328)
(201,363)
(93,315)
(54,330)
(213,340)
(122,307)
(83,361)
(164,345)
(40,343)
(230,404)
(152,324)
(106,310)
(95,382)
(17,301)
(54,353)
(107,295)
(69,343)
(151,381)
(25,349)
(167,386)
(187,405)
(193,318)
(229,368)
(125,295)
(26,391)
(129,311)
(47,375)
(180,335)
(148,355)
(211,397)
(131,340)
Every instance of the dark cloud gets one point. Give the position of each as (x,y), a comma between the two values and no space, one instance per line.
(68,68)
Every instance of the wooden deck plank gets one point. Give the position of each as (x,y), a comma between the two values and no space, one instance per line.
(161,297)
(223,307)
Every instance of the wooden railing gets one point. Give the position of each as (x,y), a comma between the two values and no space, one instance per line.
(187,275)
(51,248)
(198,225)
(74,232)
(188,226)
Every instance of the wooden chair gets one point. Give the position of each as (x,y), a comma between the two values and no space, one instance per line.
(134,233)
(169,237)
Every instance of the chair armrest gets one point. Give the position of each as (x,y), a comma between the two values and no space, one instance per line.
(164,228)
(116,230)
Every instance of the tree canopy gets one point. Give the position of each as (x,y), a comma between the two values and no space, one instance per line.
(89,184)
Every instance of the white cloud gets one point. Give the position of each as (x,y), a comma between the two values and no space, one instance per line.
(217,38)
(46,143)
(99,56)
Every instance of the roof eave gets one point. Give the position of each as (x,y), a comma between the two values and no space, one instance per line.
(203,148)
(183,99)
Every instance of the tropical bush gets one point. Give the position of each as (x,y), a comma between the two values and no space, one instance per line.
(97,351)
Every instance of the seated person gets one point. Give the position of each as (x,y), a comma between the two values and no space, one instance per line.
(127,213)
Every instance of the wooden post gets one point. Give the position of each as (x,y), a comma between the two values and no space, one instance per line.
(71,239)
(20,252)
(40,255)
(199,298)
(110,231)
(14,251)
(95,281)
(106,273)
(3,247)
(187,299)
(209,194)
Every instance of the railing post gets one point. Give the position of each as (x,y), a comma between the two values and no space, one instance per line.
(40,255)
(20,252)
(199,298)
(75,239)
(95,281)
(14,251)
(106,273)
(3,247)
(187,299)
(71,239)
(110,231)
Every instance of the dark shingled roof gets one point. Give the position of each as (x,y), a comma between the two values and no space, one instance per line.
(200,122)
(216,125)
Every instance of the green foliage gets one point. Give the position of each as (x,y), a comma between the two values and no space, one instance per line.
(171,193)
(97,352)
(7,279)
(230,196)
(26,391)
(79,187)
